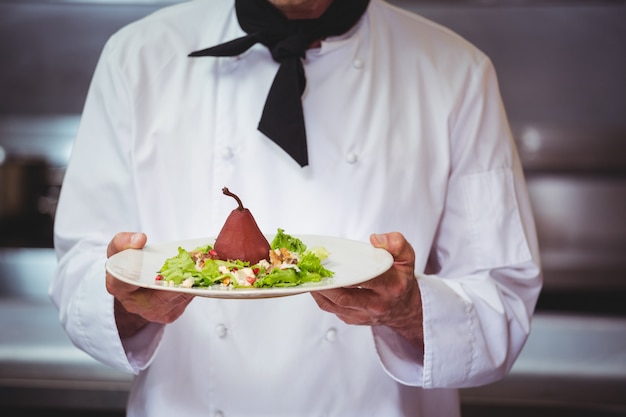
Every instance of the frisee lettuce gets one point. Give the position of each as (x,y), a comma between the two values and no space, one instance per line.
(283,240)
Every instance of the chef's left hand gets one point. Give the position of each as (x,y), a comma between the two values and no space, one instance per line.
(392,299)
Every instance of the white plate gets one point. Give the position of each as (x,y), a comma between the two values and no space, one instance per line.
(353,262)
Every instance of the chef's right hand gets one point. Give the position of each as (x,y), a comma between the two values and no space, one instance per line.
(136,306)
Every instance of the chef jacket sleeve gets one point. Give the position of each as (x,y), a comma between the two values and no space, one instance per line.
(97,201)
(483,278)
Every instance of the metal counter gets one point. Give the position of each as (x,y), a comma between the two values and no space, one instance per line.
(39,366)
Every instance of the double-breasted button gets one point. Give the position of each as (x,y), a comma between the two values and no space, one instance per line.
(227,152)
(221,331)
(352,158)
(331,334)
(357,63)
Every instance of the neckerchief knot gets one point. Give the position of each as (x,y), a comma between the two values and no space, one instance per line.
(293,46)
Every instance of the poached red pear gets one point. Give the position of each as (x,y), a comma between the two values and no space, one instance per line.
(240,237)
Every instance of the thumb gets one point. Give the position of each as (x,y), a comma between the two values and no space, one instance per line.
(126,240)
(396,244)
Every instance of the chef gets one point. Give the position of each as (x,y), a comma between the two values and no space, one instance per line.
(342,118)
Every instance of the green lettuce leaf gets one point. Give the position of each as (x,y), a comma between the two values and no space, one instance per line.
(283,240)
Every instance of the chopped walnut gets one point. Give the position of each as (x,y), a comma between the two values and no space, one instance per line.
(283,256)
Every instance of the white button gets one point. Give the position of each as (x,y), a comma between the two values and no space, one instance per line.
(219,414)
(227,152)
(331,334)
(221,331)
(357,63)
(351,158)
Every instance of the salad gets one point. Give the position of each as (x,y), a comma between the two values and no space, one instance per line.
(290,263)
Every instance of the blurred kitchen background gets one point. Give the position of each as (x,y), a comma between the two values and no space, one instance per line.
(562,70)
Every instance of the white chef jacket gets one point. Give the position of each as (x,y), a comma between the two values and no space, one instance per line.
(406,132)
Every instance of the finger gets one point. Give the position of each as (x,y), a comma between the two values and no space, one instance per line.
(327,301)
(396,244)
(177,306)
(170,297)
(126,240)
(159,306)
(346,313)
(345,300)
(141,299)
(117,288)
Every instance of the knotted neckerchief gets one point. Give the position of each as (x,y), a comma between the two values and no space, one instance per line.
(282,119)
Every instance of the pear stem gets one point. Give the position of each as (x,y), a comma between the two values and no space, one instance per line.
(228,193)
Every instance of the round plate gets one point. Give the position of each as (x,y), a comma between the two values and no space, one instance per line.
(353,262)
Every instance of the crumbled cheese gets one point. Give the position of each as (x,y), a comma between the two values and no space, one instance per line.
(188,283)
(286,265)
(244,276)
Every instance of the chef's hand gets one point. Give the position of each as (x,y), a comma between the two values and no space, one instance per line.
(136,306)
(392,299)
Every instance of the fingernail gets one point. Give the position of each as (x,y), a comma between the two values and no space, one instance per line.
(135,239)
(379,239)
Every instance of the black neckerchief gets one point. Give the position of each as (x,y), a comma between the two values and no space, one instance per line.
(282,119)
